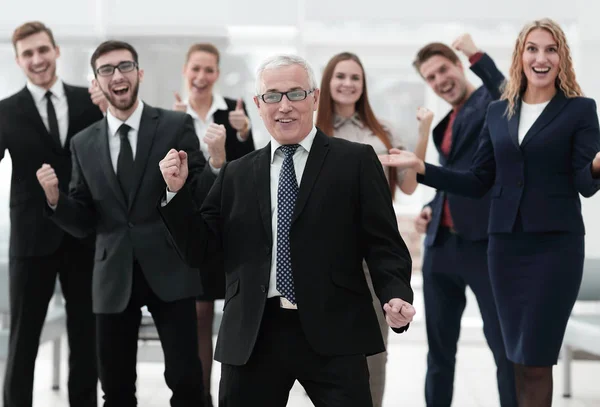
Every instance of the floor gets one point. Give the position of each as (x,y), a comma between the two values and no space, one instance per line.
(474,383)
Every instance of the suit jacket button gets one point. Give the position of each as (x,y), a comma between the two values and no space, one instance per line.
(130,225)
(263,288)
(520,184)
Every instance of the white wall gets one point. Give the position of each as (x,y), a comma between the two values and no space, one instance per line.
(384,33)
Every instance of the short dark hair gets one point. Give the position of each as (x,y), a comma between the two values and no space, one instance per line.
(109,46)
(30,28)
(431,50)
(203,47)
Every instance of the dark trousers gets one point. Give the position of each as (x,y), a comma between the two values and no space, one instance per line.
(117,347)
(32,283)
(449,266)
(280,357)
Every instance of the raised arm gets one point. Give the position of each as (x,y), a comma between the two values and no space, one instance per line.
(195,232)
(586,147)
(74,212)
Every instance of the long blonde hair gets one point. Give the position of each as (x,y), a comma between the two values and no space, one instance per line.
(517,82)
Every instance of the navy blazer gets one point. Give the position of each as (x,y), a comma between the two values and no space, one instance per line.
(469,215)
(541,178)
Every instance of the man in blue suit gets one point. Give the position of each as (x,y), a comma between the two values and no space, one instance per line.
(456,244)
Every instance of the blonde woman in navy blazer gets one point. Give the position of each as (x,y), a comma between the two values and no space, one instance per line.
(538,151)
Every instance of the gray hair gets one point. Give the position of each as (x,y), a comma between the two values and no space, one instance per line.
(279,61)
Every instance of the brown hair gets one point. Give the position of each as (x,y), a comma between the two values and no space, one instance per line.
(30,28)
(431,50)
(363,108)
(565,80)
(204,47)
(109,46)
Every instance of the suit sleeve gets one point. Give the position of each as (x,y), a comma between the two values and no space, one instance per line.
(385,252)
(195,231)
(485,68)
(75,212)
(473,183)
(586,143)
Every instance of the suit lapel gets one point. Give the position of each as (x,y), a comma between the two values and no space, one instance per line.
(101,142)
(30,111)
(145,138)
(458,130)
(548,114)
(318,151)
(513,124)
(262,178)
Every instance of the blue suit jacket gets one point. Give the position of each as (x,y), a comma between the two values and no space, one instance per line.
(542,177)
(469,215)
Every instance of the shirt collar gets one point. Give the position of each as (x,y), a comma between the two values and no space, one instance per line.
(338,120)
(39,93)
(132,121)
(218,103)
(306,143)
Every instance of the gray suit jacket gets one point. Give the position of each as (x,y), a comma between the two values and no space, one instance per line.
(134,231)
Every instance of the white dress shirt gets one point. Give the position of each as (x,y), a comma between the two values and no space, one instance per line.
(529,114)
(59,101)
(277,156)
(114,141)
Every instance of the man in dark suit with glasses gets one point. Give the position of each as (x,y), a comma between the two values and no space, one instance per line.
(115,187)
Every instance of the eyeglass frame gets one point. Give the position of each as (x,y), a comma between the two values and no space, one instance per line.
(306,93)
(115,67)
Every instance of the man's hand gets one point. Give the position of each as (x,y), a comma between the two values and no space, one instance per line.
(98,97)
(49,182)
(465,44)
(174,169)
(402,159)
(215,140)
(398,313)
(179,104)
(238,118)
(423,220)
(596,166)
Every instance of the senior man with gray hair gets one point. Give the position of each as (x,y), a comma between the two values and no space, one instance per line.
(294,221)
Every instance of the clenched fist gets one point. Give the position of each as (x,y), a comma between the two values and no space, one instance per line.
(465,44)
(215,140)
(238,118)
(422,221)
(49,182)
(425,117)
(174,169)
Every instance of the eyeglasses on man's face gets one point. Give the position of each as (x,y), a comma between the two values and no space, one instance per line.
(292,95)
(123,67)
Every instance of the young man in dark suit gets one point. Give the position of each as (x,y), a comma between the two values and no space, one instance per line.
(36,126)
(115,187)
(457,240)
(294,221)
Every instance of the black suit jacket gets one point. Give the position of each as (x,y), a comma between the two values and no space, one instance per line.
(343,214)
(125,233)
(234,148)
(24,135)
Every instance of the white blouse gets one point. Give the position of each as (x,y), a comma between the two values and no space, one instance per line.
(529,114)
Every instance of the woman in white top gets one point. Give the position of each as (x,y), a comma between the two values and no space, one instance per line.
(216,119)
(344,111)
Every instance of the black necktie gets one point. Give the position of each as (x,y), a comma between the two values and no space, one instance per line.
(52,121)
(125,162)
